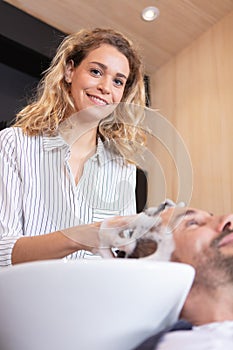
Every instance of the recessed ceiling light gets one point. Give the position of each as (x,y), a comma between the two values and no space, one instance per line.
(150,13)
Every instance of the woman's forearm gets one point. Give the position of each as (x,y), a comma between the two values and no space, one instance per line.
(55,245)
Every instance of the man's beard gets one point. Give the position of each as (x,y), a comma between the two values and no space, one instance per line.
(213,269)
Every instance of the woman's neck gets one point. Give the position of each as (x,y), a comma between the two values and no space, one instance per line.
(82,149)
(85,145)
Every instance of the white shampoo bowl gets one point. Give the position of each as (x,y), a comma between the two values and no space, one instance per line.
(89,305)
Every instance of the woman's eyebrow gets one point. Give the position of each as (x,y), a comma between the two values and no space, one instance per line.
(104,67)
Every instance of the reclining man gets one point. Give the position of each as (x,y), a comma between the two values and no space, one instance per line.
(204,241)
(198,238)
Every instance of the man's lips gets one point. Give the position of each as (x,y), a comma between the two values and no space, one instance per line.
(98,100)
(228,239)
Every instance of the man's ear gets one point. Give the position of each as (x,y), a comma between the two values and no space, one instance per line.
(69,71)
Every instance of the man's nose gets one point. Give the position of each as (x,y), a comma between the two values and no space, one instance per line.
(226,222)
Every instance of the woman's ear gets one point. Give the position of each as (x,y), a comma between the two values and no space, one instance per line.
(69,71)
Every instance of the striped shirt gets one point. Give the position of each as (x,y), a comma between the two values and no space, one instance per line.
(38,193)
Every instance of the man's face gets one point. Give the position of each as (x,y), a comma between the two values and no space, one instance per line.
(202,240)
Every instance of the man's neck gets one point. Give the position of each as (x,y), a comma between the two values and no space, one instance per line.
(205,306)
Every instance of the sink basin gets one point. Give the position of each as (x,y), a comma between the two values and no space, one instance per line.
(89,305)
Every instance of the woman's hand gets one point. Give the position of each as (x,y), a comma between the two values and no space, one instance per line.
(101,237)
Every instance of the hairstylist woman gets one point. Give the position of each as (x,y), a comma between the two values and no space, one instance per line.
(47,184)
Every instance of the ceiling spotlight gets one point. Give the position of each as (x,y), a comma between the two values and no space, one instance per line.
(150,13)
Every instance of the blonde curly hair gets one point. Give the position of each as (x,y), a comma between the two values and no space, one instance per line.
(53,103)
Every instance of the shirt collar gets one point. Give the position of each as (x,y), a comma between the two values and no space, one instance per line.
(103,154)
(52,142)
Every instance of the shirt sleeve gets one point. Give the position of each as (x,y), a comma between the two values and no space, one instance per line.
(11,220)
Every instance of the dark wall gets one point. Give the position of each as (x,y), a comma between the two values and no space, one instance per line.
(27,46)
(28,31)
(15,86)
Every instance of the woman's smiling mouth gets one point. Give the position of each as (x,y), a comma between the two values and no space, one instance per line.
(97,100)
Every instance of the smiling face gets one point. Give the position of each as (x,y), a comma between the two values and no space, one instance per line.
(99,79)
(204,241)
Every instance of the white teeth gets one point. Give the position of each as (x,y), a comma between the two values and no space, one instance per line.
(97,100)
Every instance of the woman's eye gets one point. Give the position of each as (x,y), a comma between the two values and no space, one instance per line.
(96,72)
(118,82)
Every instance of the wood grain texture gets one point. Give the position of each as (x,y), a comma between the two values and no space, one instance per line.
(179,23)
(194,91)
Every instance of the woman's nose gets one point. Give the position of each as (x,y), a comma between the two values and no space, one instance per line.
(226,222)
(105,85)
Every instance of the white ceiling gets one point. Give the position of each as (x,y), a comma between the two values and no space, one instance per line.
(179,23)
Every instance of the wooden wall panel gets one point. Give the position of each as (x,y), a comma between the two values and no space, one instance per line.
(156,191)
(195,92)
